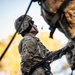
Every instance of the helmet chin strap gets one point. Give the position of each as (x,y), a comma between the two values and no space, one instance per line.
(34,32)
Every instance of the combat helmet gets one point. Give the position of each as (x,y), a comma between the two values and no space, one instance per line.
(25,25)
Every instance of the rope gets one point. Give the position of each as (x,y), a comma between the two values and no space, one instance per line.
(15,33)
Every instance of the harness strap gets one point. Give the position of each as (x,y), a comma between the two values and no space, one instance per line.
(72,73)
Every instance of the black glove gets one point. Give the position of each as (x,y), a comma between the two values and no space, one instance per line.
(35,0)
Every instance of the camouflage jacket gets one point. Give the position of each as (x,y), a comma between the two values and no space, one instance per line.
(31,51)
(65,24)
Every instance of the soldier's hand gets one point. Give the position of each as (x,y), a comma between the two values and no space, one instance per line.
(35,0)
(68,48)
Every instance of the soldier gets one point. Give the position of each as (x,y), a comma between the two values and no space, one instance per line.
(66,22)
(30,48)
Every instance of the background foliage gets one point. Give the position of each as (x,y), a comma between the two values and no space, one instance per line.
(10,64)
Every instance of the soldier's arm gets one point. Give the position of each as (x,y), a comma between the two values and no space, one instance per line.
(45,50)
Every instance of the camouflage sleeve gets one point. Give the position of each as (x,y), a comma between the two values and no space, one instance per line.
(28,47)
(48,52)
(45,50)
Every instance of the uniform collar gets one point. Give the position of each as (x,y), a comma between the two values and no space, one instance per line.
(30,34)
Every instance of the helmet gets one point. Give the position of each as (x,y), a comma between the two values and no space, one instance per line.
(20,27)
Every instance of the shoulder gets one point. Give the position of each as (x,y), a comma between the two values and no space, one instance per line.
(28,40)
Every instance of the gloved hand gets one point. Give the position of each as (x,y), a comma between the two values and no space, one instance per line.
(35,0)
(68,48)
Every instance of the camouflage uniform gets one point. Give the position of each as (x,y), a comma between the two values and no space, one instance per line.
(30,48)
(67,20)
(32,51)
